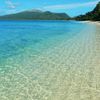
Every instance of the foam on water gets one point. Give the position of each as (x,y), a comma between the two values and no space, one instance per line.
(49,61)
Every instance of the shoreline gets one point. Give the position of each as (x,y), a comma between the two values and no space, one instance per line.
(92,22)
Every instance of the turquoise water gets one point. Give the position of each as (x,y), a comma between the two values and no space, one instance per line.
(48,60)
(16,36)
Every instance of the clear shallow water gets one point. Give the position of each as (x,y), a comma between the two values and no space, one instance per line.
(49,60)
(16,36)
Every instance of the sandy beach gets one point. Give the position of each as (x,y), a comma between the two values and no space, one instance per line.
(92,22)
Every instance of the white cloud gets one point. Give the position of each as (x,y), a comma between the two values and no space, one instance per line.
(11,5)
(71,6)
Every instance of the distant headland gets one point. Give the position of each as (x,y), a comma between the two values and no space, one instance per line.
(35,15)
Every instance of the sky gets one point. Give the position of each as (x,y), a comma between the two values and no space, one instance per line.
(71,7)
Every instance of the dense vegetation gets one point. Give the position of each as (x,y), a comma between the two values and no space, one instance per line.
(93,15)
(36,15)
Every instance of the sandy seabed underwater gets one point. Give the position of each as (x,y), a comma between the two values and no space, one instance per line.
(49,60)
